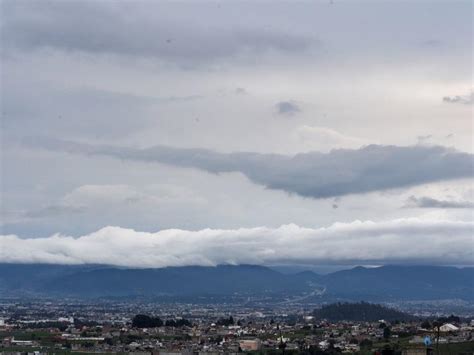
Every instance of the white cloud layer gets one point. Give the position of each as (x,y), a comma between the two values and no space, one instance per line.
(397,241)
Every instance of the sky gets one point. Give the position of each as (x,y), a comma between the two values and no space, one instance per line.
(170,133)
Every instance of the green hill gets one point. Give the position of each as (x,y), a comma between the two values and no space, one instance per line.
(362,311)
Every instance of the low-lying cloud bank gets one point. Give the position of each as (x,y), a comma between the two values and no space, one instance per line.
(314,174)
(397,241)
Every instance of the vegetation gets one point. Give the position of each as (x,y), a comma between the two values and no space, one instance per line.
(144,321)
(451,319)
(366,343)
(457,348)
(226,321)
(363,311)
(178,323)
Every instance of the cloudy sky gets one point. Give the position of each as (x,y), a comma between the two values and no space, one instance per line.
(147,133)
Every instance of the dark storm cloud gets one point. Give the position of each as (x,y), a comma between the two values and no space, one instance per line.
(318,175)
(429,202)
(158,30)
(287,108)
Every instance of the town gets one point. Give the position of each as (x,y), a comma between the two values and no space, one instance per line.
(60,327)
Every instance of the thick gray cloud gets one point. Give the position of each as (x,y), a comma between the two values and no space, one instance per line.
(287,108)
(162,31)
(319,175)
(391,241)
(429,202)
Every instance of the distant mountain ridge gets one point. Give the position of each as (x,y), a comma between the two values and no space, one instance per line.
(360,283)
(403,282)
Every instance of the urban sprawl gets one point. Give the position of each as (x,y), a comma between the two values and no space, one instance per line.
(37,327)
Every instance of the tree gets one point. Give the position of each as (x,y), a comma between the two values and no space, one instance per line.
(453,319)
(426,324)
(437,325)
(386,333)
(226,321)
(178,323)
(144,321)
(282,345)
(362,311)
(170,323)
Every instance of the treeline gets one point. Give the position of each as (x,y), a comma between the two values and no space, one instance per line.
(62,326)
(438,322)
(144,321)
(226,321)
(363,312)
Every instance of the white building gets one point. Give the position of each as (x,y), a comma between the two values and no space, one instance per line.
(448,327)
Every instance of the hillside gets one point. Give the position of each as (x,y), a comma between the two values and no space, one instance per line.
(362,312)
(402,282)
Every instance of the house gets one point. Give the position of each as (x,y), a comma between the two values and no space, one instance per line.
(448,327)
(250,344)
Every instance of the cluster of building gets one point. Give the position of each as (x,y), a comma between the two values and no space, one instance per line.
(99,328)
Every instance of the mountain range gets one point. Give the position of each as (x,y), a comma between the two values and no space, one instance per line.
(383,283)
